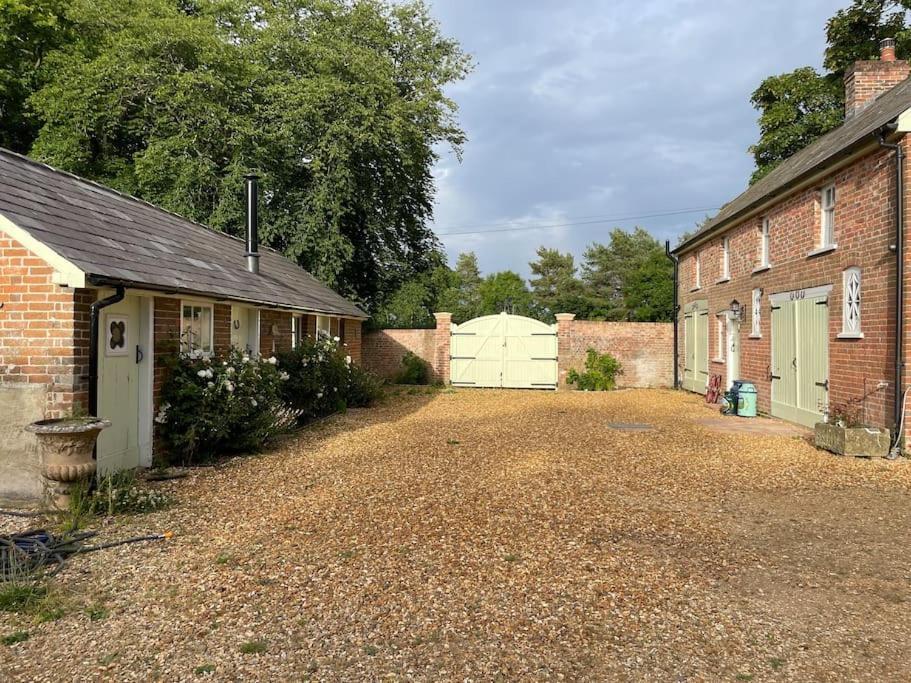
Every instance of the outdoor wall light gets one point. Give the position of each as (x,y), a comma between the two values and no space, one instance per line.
(736,310)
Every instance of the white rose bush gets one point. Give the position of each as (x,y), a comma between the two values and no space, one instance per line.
(236,403)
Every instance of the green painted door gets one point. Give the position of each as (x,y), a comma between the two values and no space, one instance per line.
(504,351)
(696,346)
(121,331)
(800,356)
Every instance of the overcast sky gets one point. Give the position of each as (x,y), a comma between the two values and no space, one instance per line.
(607,109)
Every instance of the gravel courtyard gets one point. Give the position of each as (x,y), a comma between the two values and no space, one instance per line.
(493,535)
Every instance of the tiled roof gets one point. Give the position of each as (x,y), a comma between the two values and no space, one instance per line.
(831,147)
(117,237)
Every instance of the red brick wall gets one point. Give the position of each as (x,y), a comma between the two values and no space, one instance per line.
(221,328)
(44,329)
(166,340)
(865,81)
(352,339)
(645,350)
(864,233)
(383,351)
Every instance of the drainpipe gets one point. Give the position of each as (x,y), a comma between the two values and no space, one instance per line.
(899,283)
(95,310)
(676,261)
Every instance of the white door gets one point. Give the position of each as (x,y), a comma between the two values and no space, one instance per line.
(732,328)
(124,363)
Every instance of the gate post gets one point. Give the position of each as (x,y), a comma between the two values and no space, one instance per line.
(564,333)
(442,340)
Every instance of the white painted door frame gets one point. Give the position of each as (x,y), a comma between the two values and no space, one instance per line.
(732,353)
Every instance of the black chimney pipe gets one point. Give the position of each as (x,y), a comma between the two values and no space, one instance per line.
(252,254)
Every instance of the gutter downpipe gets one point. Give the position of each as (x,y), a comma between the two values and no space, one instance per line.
(95,310)
(899,284)
(676,309)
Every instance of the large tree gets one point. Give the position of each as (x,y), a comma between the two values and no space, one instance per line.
(462,297)
(798,107)
(338,105)
(506,291)
(554,285)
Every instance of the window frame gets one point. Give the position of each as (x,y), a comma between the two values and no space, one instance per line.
(827,217)
(298,329)
(848,302)
(765,244)
(697,271)
(756,313)
(721,330)
(725,259)
(324,333)
(185,344)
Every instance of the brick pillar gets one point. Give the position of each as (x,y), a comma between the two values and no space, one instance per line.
(441,347)
(564,333)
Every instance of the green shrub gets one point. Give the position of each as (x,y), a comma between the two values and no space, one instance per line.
(214,405)
(321,380)
(120,493)
(415,370)
(601,371)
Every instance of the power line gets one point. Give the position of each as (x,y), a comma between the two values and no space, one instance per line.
(678,212)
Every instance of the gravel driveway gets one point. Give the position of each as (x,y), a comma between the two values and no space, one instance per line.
(492,535)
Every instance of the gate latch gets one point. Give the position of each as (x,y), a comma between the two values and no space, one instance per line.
(824,385)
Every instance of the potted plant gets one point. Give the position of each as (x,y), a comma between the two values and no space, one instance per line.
(66,446)
(846,434)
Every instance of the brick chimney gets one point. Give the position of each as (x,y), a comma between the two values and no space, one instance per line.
(867,80)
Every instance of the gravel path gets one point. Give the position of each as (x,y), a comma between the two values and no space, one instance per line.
(486,535)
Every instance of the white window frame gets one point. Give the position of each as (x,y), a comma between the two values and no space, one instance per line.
(697,270)
(852,298)
(828,200)
(186,343)
(721,322)
(323,327)
(725,259)
(765,244)
(298,330)
(756,314)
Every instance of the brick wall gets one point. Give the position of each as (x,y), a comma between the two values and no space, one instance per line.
(382,351)
(353,339)
(645,350)
(44,330)
(866,80)
(274,332)
(864,233)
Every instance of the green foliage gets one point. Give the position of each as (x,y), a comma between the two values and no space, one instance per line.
(462,296)
(254,647)
(340,106)
(320,381)
(629,278)
(555,287)
(798,107)
(505,291)
(601,371)
(121,493)
(216,405)
(414,370)
(15,637)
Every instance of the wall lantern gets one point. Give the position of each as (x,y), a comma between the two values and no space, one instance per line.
(736,310)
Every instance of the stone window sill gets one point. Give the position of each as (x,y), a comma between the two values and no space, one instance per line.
(755,336)
(760,269)
(695,289)
(722,280)
(850,335)
(718,360)
(822,250)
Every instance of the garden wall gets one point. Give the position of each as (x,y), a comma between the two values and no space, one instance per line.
(646,350)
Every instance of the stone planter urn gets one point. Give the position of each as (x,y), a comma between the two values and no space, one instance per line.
(865,442)
(66,447)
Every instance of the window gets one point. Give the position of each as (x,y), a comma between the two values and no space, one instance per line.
(827,236)
(850,315)
(697,269)
(726,258)
(756,313)
(720,325)
(323,327)
(196,328)
(298,330)
(764,243)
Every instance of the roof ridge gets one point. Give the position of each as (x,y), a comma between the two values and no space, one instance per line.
(130,197)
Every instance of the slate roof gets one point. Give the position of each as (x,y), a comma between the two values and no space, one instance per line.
(828,149)
(114,236)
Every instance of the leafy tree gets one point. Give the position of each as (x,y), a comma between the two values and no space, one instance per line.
(555,287)
(648,293)
(798,107)
(338,105)
(462,297)
(505,291)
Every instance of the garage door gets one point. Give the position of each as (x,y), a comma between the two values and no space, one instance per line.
(504,351)
(696,346)
(800,355)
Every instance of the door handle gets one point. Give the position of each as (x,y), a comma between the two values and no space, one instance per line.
(139,354)
(794,363)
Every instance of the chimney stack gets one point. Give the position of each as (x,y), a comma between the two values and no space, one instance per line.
(867,80)
(252,192)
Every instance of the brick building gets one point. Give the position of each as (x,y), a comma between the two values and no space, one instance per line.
(78,260)
(793,285)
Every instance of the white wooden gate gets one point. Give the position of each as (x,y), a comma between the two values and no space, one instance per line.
(504,351)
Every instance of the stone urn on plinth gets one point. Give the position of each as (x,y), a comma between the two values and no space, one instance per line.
(66,446)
